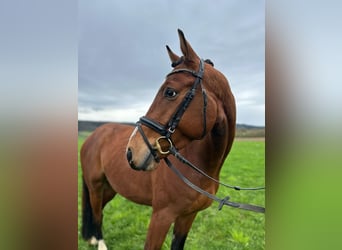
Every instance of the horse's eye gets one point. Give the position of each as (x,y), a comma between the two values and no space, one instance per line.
(170,93)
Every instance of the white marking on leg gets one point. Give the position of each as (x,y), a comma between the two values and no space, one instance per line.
(102,245)
(93,241)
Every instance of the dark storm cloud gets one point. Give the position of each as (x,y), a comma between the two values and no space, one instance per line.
(123,60)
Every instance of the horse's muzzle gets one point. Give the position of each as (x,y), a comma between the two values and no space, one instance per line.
(145,165)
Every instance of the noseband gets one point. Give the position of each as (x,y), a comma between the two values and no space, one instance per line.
(167,130)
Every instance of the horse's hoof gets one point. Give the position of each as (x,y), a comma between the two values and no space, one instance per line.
(93,241)
(102,245)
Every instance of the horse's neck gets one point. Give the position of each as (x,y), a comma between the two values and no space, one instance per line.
(214,148)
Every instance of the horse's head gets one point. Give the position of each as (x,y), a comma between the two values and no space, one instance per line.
(193,99)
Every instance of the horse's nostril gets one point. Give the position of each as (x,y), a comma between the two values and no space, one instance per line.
(129,155)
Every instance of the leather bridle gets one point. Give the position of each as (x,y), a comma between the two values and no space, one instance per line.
(165,131)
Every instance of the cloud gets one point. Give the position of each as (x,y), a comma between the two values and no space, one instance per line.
(123,60)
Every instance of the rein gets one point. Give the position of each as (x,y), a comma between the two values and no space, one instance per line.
(182,159)
(169,129)
(224,201)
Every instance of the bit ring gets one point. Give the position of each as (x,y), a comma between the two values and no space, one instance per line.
(159,148)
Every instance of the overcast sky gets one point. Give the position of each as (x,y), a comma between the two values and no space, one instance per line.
(123,60)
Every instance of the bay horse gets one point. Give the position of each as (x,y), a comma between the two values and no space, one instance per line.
(194,111)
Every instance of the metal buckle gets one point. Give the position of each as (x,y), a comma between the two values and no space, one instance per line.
(170,130)
(159,148)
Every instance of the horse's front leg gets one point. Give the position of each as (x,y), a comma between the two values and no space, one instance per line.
(181,229)
(159,226)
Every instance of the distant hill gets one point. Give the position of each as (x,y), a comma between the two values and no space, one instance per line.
(245,126)
(242,130)
(91,126)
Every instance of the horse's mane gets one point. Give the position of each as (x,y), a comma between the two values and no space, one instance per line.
(219,85)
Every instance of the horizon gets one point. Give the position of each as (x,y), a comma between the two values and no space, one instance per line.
(129,122)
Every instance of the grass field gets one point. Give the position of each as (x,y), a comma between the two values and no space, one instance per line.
(125,223)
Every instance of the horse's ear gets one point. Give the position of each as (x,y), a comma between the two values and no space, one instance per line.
(173,57)
(188,52)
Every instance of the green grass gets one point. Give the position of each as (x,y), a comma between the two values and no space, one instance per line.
(125,223)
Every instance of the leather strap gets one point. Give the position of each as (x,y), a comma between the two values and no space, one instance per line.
(224,201)
(183,160)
